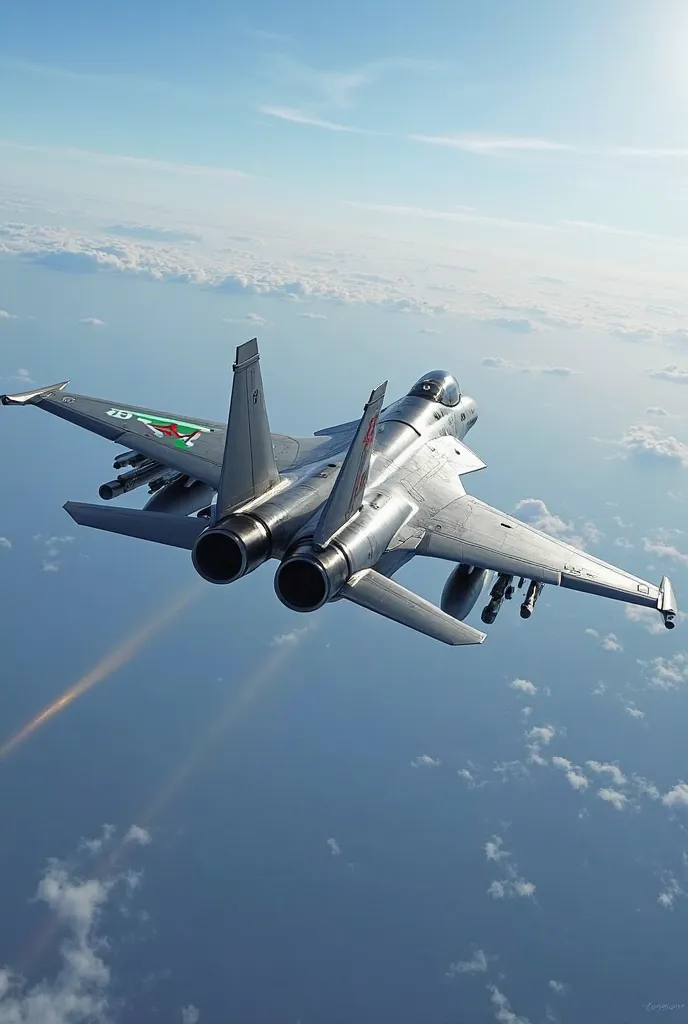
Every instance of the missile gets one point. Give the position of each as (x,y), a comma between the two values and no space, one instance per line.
(531,597)
(130,481)
(167,477)
(132,459)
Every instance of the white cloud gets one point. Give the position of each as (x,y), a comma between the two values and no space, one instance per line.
(22,376)
(4,315)
(301,117)
(517,325)
(672,373)
(560,987)
(289,639)
(646,617)
(138,835)
(190,1014)
(655,410)
(94,846)
(250,318)
(524,685)
(606,768)
(677,796)
(542,734)
(645,788)
(79,992)
(425,761)
(514,885)
(334,847)
(535,512)
(645,442)
(468,776)
(476,965)
(92,321)
(493,146)
(312,316)
(667,673)
(575,776)
(655,547)
(613,797)
(637,334)
(499,363)
(494,851)
(631,709)
(54,548)
(5,544)
(502,1008)
(609,642)
(670,893)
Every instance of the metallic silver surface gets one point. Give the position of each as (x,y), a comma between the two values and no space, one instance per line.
(462,590)
(248,465)
(358,545)
(243,540)
(342,510)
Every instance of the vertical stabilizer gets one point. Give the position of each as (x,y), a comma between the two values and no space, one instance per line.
(248,465)
(347,494)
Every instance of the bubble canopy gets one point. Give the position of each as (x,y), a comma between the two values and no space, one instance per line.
(437,386)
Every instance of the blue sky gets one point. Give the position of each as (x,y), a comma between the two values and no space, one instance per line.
(336,819)
(543,113)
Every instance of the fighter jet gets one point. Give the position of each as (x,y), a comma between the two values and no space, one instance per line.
(342,511)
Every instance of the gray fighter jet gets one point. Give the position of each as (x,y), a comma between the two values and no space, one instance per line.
(340,511)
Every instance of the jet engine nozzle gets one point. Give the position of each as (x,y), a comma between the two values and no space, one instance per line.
(230,549)
(307,579)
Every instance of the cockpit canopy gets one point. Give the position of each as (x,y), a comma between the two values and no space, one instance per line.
(437,386)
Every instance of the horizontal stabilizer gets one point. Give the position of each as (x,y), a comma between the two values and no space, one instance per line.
(248,464)
(159,527)
(347,494)
(382,595)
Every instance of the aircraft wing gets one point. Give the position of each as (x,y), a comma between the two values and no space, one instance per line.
(468,530)
(187,444)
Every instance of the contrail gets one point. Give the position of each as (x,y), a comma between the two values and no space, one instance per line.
(111,662)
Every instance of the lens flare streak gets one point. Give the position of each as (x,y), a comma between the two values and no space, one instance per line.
(111,662)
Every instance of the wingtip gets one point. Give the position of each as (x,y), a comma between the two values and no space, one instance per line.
(31,397)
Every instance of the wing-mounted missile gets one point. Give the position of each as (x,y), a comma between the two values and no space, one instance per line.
(129,460)
(144,473)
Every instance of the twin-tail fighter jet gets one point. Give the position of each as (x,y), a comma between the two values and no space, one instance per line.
(341,512)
